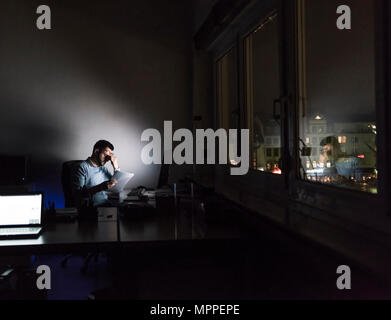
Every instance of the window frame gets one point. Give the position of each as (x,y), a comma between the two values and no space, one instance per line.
(334,199)
(334,202)
(267,186)
(217,125)
(275,7)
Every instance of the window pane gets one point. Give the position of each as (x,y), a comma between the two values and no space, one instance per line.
(262,88)
(337,102)
(227,107)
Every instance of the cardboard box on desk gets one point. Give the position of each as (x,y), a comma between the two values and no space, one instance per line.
(107,214)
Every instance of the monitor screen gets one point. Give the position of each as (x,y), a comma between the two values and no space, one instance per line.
(20,209)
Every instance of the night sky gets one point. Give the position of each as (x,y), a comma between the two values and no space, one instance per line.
(340,63)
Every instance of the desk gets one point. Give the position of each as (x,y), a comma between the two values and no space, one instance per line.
(65,237)
(168,223)
(171,236)
(186,221)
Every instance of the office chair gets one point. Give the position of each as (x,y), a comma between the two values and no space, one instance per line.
(68,170)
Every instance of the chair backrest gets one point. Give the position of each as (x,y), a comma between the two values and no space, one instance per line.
(67,172)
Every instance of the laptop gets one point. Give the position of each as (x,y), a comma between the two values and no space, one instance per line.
(20,215)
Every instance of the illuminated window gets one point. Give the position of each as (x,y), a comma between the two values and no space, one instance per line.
(342,139)
(333,103)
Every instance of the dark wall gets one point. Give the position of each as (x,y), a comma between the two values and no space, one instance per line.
(201,10)
(106,70)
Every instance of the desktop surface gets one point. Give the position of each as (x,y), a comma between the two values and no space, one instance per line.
(161,222)
(65,236)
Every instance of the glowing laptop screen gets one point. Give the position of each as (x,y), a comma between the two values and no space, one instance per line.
(20,209)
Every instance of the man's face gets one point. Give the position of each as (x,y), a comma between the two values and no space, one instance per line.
(102,154)
(326,148)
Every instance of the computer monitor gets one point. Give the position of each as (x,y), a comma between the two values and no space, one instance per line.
(21,209)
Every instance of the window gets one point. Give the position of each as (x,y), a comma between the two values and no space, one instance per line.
(276,152)
(227,106)
(337,80)
(262,87)
(268,152)
(341,139)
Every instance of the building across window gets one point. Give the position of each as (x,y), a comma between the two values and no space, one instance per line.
(342,139)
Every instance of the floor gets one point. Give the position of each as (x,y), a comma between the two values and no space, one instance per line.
(213,271)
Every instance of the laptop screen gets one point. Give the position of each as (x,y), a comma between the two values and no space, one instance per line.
(20,209)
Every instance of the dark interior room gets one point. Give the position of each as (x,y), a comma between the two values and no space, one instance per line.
(195,150)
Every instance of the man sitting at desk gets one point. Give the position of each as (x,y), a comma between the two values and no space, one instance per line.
(92,178)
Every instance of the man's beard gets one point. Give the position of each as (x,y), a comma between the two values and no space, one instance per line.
(98,161)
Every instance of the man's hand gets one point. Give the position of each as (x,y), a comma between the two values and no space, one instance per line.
(109,184)
(114,162)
